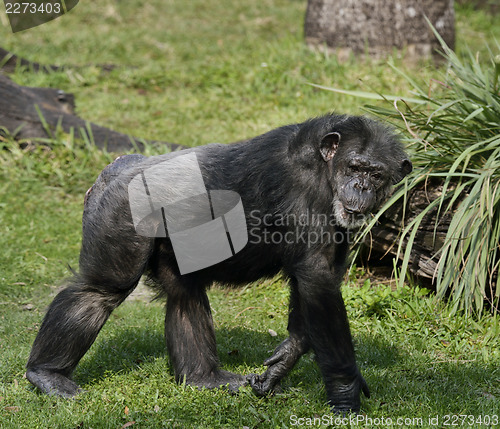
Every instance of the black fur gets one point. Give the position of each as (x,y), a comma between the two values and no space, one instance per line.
(302,187)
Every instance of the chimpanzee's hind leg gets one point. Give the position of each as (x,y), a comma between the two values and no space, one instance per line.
(112,260)
(190,335)
(69,328)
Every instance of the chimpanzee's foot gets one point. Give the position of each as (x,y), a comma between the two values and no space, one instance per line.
(220,379)
(344,394)
(53,383)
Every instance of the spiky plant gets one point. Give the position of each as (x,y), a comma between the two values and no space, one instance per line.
(453,133)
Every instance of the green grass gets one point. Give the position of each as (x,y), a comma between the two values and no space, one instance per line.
(192,73)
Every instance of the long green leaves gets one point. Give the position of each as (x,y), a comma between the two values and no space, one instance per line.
(455,138)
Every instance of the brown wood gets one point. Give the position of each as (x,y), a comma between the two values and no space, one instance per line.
(384,239)
(23,111)
(378,26)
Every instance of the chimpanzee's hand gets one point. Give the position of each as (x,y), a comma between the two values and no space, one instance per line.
(279,365)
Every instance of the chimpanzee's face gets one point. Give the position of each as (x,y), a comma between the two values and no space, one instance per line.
(363,172)
(361,185)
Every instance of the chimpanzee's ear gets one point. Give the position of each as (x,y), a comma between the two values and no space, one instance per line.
(405,168)
(329,145)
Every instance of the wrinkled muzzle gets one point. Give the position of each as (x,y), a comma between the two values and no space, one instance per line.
(357,197)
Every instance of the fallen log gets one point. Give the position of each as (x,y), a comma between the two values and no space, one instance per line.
(34,113)
(384,238)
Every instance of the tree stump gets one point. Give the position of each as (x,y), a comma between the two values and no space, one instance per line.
(377,27)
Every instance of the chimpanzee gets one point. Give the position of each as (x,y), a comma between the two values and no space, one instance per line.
(283,201)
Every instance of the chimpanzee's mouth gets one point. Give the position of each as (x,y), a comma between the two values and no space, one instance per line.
(347,218)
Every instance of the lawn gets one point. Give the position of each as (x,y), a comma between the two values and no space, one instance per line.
(193,73)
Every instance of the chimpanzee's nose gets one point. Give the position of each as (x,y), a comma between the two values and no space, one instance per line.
(352,210)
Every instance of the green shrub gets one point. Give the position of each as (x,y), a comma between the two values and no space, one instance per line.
(452,127)
(456,138)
